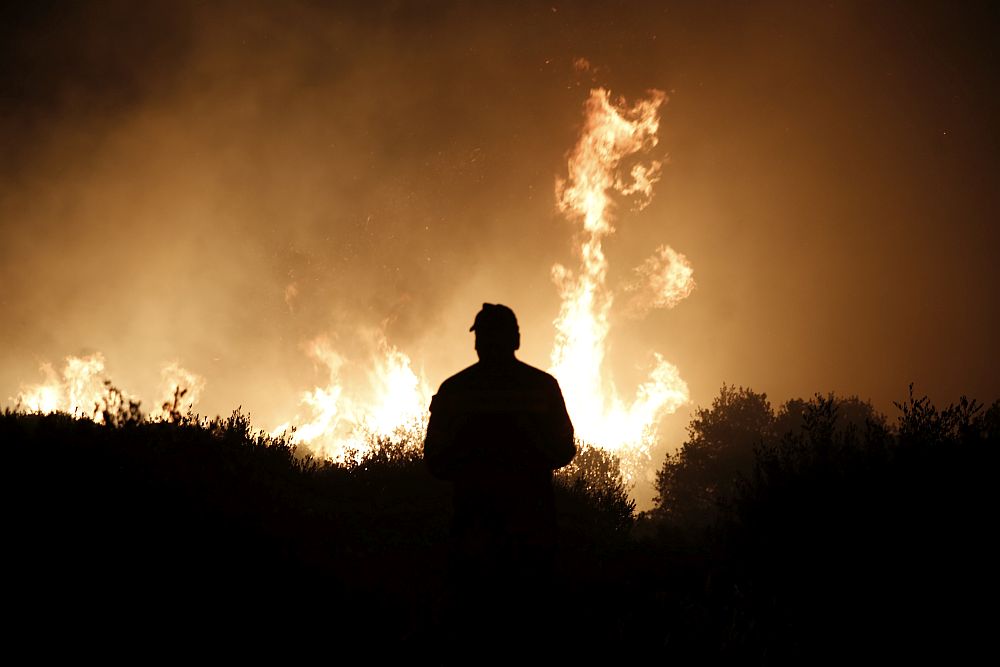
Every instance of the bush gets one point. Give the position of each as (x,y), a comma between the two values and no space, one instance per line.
(593,482)
(724,443)
(862,532)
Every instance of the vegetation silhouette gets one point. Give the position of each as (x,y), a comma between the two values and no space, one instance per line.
(830,532)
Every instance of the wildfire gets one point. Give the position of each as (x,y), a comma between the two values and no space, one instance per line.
(342,420)
(610,135)
(340,426)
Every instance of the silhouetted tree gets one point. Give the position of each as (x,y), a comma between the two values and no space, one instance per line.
(720,447)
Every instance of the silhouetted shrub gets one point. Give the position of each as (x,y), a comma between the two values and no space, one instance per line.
(813,533)
(594,477)
(724,442)
(852,535)
(209,517)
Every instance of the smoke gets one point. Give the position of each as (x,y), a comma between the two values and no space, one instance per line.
(180,391)
(662,281)
(225,184)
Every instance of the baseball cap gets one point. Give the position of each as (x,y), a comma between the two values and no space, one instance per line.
(495,317)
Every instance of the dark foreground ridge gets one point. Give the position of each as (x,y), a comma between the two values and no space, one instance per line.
(816,532)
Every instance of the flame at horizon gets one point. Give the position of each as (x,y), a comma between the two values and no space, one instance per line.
(84,391)
(342,427)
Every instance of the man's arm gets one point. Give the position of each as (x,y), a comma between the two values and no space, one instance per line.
(559,448)
(440,441)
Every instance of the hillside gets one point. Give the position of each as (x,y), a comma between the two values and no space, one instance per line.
(827,538)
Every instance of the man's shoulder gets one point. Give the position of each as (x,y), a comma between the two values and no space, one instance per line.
(535,375)
(460,379)
(479,377)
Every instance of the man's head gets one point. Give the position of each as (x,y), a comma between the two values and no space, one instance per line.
(497,334)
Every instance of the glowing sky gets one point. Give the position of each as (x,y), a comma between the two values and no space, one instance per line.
(218,183)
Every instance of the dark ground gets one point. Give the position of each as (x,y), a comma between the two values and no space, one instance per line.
(159,537)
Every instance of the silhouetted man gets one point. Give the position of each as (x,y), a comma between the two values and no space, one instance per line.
(497,431)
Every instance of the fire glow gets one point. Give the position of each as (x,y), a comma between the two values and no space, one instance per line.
(83,390)
(343,427)
(605,165)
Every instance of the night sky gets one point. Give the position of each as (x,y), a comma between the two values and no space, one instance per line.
(217,183)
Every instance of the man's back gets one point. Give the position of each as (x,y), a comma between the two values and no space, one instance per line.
(501,414)
(497,431)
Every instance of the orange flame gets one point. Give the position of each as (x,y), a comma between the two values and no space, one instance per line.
(81,391)
(610,135)
(85,392)
(342,427)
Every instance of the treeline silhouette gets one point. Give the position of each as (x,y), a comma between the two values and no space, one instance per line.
(828,533)
(818,531)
